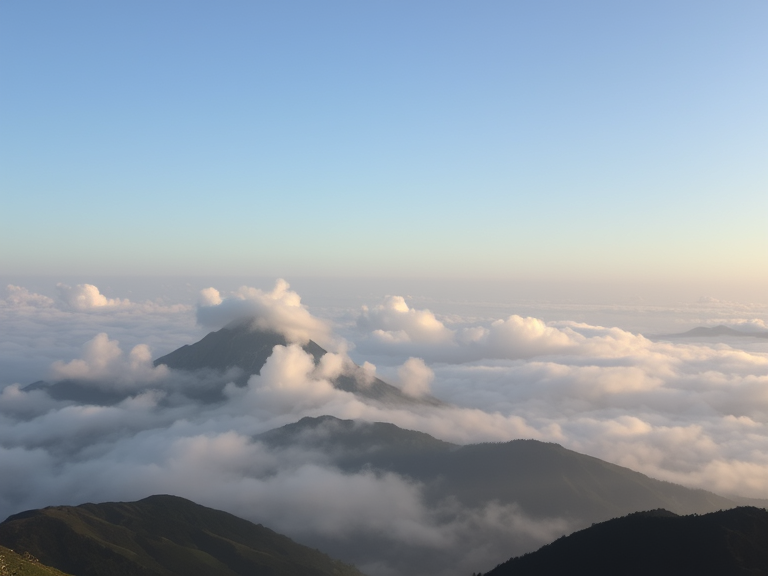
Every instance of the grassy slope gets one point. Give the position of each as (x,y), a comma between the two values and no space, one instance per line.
(160,536)
(13,564)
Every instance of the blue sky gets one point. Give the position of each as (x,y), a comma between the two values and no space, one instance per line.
(536,140)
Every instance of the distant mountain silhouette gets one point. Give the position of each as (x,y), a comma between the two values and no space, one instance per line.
(726,543)
(160,536)
(77,392)
(711,332)
(544,479)
(241,347)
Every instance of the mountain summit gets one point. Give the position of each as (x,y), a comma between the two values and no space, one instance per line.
(232,347)
(239,346)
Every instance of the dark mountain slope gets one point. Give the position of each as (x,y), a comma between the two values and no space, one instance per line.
(732,542)
(77,392)
(237,346)
(544,479)
(160,536)
(356,445)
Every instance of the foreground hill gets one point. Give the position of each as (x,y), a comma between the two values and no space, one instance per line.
(544,479)
(160,536)
(14,564)
(732,542)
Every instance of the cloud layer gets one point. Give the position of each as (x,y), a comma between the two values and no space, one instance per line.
(692,413)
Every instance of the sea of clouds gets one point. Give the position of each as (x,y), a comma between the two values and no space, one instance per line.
(691,412)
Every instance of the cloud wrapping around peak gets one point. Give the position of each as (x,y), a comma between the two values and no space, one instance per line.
(289,383)
(415,377)
(278,311)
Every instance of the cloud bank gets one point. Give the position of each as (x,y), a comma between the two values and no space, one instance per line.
(690,413)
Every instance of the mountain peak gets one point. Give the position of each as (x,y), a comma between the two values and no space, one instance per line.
(234,346)
(240,346)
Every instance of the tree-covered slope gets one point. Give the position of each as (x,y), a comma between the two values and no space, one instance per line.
(731,542)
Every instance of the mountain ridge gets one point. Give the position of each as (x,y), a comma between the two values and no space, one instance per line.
(526,482)
(544,478)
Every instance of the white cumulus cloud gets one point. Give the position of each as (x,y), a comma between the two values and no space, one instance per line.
(20,296)
(415,377)
(394,321)
(104,363)
(87,297)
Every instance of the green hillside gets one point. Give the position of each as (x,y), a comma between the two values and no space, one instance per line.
(160,536)
(13,564)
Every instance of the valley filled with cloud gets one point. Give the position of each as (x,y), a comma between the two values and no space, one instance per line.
(686,411)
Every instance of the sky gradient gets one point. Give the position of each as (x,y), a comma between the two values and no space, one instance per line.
(549,140)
